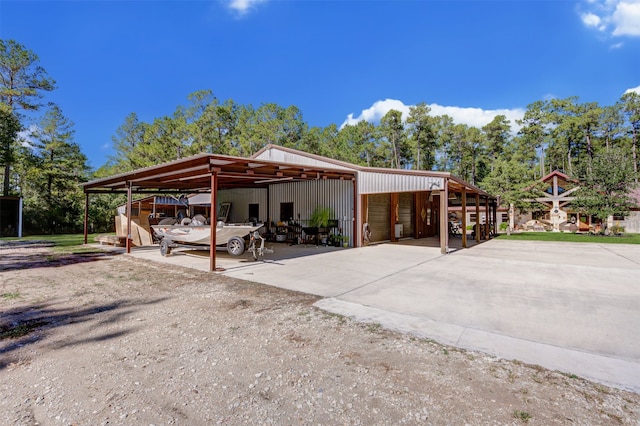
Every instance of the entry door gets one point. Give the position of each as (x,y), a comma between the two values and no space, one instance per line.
(380,217)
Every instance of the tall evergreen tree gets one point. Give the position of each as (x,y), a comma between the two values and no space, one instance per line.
(496,137)
(55,201)
(422,136)
(631,109)
(127,140)
(606,183)
(392,129)
(534,134)
(610,125)
(22,82)
(9,128)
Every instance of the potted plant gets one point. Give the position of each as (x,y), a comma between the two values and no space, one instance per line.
(320,217)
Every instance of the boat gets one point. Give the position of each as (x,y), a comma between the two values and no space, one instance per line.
(196,232)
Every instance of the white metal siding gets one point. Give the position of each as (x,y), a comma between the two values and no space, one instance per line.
(380,183)
(291,158)
(307,195)
(240,198)
(631,223)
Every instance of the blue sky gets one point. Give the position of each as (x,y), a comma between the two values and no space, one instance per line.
(338,61)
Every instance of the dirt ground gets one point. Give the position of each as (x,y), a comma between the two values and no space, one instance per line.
(109,339)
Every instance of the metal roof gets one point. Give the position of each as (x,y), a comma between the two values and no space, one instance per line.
(194,174)
(455,184)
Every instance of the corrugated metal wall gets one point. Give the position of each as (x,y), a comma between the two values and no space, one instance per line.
(379,183)
(307,195)
(240,199)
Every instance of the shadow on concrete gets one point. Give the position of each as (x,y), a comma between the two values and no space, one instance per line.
(281,251)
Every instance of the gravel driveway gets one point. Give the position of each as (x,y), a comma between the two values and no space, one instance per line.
(109,339)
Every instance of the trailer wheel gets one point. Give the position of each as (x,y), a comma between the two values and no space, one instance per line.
(165,249)
(235,246)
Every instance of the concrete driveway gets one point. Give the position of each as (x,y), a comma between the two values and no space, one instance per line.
(573,307)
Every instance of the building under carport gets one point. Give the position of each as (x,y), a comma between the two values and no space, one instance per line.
(280,184)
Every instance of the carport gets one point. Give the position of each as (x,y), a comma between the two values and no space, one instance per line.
(206,173)
(366,200)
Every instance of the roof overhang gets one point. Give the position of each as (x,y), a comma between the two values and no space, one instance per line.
(193,174)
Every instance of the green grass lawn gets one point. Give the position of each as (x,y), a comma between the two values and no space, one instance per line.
(571,237)
(66,243)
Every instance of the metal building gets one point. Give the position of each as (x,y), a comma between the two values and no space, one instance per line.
(282,187)
(392,203)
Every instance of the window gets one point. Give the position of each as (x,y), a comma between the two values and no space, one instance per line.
(536,215)
(286,211)
(505,217)
(223,212)
(474,218)
(618,217)
(254,211)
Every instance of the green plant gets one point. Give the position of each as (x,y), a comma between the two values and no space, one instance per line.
(20,330)
(374,327)
(338,240)
(617,230)
(504,226)
(320,217)
(522,415)
(9,296)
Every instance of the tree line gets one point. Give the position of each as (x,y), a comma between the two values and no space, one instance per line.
(558,134)
(43,163)
(40,159)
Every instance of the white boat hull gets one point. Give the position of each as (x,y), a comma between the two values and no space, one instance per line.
(201,234)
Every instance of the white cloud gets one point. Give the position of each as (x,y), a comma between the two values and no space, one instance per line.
(377,111)
(475,117)
(626,18)
(242,7)
(633,89)
(617,17)
(592,20)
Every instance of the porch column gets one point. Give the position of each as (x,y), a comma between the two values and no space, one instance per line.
(364,207)
(477,225)
(511,218)
(357,240)
(486,218)
(128,242)
(464,218)
(86,217)
(213,221)
(444,217)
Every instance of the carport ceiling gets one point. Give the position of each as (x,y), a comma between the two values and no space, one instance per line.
(194,174)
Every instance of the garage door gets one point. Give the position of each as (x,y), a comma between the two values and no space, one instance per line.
(380,216)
